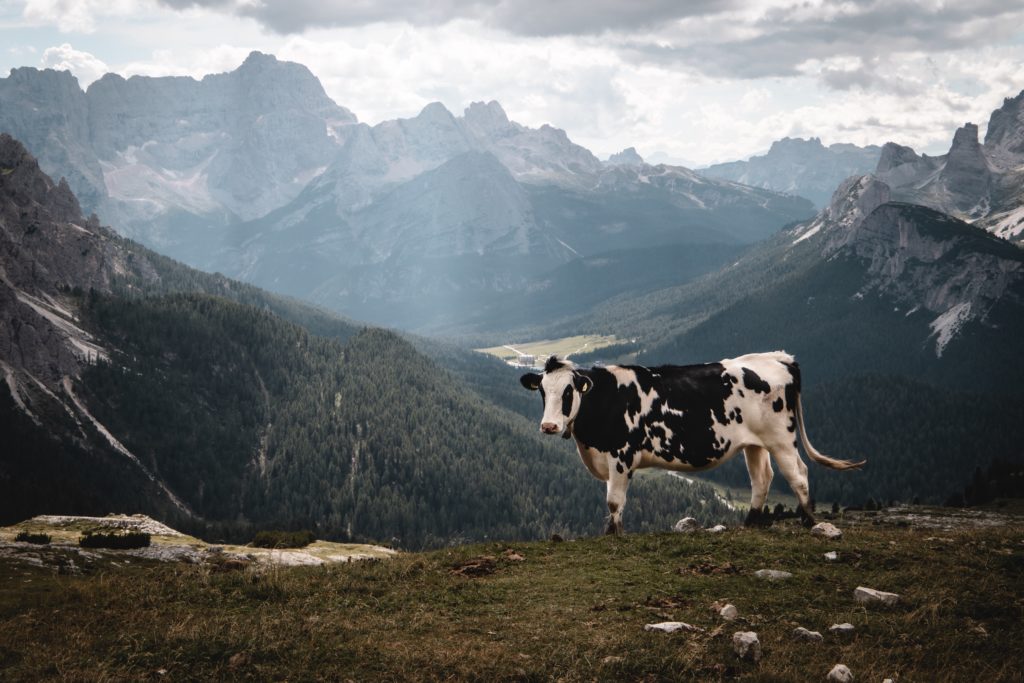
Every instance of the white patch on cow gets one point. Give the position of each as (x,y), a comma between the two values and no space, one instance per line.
(625,377)
(553,384)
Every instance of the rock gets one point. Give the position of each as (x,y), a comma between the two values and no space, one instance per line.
(888,680)
(716,529)
(746,645)
(870,595)
(612,659)
(670,627)
(840,673)
(803,634)
(772,574)
(729,612)
(832,556)
(843,629)
(686,525)
(826,530)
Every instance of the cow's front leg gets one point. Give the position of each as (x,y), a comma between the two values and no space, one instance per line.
(618,482)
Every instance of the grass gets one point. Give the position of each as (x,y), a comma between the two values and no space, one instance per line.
(560,347)
(571,611)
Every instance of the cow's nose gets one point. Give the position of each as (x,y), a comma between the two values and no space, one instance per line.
(549,427)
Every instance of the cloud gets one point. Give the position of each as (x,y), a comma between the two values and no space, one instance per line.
(86,67)
(77,16)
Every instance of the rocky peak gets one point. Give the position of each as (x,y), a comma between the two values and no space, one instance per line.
(486,119)
(855,199)
(894,155)
(627,157)
(966,177)
(789,145)
(1006,127)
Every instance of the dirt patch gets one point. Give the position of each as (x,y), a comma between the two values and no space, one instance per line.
(474,567)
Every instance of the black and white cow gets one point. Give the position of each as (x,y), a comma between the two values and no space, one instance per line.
(687,418)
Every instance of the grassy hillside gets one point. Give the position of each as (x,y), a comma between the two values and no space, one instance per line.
(540,611)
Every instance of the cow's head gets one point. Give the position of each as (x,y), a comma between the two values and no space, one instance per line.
(562,389)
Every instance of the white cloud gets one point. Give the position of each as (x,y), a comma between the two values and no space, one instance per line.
(86,67)
(79,16)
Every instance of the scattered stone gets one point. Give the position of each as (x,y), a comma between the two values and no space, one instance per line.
(670,627)
(686,525)
(729,612)
(746,645)
(238,659)
(869,595)
(716,529)
(612,659)
(840,673)
(772,574)
(843,629)
(826,530)
(832,556)
(803,634)
(888,680)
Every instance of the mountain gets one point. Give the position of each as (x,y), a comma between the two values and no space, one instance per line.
(133,382)
(423,223)
(978,182)
(800,167)
(172,160)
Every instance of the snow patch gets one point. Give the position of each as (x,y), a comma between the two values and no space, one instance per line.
(81,341)
(810,233)
(946,326)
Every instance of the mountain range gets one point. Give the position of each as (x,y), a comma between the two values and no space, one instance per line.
(252,172)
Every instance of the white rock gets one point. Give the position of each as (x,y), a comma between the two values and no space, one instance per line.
(716,529)
(729,612)
(804,634)
(840,673)
(686,525)
(826,530)
(869,595)
(843,629)
(888,680)
(746,645)
(772,574)
(832,556)
(670,627)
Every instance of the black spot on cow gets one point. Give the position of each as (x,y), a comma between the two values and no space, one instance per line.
(567,400)
(740,392)
(739,415)
(793,387)
(619,468)
(753,381)
(553,364)
(777,405)
(792,424)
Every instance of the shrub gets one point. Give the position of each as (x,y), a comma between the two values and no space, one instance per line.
(119,541)
(26,537)
(283,539)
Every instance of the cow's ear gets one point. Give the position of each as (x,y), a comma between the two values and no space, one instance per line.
(582,383)
(531,381)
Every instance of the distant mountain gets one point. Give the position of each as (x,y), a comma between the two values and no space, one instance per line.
(134,383)
(256,173)
(800,167)
(978,182)
(421,223)
(172,160)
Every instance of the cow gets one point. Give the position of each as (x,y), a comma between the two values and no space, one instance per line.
(687,418)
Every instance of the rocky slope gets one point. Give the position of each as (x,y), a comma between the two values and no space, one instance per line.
(980,182)
(800,167)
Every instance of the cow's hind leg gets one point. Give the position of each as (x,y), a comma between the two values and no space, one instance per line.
(759,465)
(618,482)
(793,468)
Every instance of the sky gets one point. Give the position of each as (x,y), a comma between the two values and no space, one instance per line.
(694,82)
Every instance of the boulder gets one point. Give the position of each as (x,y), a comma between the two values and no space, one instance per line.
(716,529)
(843,629)
(686,525)
(826,530)
(840,673)
(772,574)
(746,645)
(803,634)
(870,595)
(729,612)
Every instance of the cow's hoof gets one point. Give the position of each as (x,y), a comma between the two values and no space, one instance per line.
(757,518)
(806,518)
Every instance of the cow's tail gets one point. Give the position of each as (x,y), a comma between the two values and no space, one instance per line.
(813,453)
